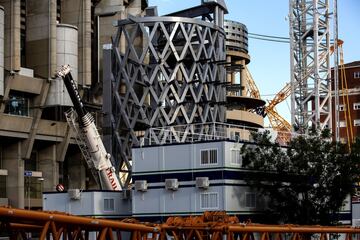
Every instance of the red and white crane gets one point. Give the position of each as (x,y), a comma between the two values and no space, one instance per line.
(98,159)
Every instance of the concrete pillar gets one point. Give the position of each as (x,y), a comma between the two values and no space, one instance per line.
(76,172)
(134,8)
(41,37)
(78,13)
(15,181)
(107,12)
(12,34)
(242,79)
(49,167)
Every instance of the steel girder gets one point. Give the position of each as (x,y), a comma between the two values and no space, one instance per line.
(18,223)
(310,64)
(165,71)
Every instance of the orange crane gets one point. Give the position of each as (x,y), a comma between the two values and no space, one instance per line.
(279,123)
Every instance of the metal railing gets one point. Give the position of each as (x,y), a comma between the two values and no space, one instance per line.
(207,132)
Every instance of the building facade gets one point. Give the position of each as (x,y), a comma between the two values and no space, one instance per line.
(36,38)
(37,151)
(348,121)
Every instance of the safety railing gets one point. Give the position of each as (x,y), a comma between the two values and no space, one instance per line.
(207,132)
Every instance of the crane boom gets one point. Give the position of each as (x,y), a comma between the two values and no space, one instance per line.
(101,159)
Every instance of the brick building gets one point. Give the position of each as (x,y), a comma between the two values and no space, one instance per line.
(352,72)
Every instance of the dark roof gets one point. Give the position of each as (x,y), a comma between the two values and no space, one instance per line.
(352,64)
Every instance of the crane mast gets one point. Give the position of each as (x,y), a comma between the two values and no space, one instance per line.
(310,64)
(101,159)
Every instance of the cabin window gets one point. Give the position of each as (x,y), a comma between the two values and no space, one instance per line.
(109,204)
(209,200)
(209,157)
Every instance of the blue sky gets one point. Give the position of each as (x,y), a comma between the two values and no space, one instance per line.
(269,60)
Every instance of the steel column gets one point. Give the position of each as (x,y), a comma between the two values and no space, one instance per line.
(310,64)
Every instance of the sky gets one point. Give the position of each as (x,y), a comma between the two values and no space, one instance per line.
(270,61)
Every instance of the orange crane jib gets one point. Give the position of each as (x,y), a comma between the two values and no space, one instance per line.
(276,121)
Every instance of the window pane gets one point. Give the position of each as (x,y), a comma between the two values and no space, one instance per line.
(209,201)
(250,200)
(17,105)
(109,204)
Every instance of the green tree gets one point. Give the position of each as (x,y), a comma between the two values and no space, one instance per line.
(306,182)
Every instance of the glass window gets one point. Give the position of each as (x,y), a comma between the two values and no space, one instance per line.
(208,157)
(236,157)
(17,105)
(356,74)
(109,204)
(356,106)
(250,200)
(209,200)
(342,124)
(33,188)
(357,122)
(341,108)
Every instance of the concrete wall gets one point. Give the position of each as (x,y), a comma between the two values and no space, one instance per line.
(49,167)
(41,37)
(76,172)
(78,13)
(110,11)
(12,34)
(13,162)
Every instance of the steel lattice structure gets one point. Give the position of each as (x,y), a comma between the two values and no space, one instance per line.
(164,71)
(310,64)
(18,223)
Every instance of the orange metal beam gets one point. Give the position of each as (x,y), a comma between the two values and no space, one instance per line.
(91,223)
(291,229)
(209,226)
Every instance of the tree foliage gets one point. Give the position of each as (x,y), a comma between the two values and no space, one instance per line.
(306,182)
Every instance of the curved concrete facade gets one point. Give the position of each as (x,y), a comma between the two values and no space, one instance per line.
(245,118)
(240,107)
(236,40)
(67,53)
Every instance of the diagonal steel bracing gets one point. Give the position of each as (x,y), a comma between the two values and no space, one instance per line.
(310,64)
(165,71)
